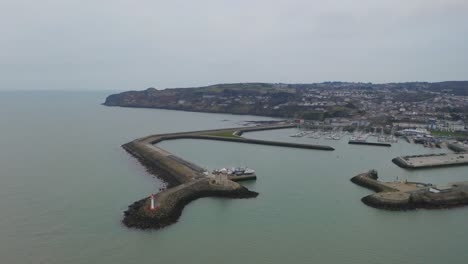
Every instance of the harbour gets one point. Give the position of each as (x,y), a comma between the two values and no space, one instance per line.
(358,137)
(234,132)
(187,181)
(86,181)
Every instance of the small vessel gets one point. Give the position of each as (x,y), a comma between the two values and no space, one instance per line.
(387,139)
(315,135)
(336,137)
(359,137)
(235,171)
(299,134)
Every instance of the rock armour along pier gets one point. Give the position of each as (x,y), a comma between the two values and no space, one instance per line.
(380,144)
(411,195)
(188,181)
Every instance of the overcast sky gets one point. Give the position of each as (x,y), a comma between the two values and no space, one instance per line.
(135,44)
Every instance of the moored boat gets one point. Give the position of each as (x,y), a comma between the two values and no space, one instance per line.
(235,171)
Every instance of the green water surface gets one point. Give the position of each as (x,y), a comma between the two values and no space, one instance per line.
(65,181)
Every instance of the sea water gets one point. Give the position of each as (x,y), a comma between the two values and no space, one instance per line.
(65,182)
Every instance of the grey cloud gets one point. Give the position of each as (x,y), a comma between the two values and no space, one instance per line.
(136,44)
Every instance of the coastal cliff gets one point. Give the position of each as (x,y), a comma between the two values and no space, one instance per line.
(263,99)
(206,100)
(315,101)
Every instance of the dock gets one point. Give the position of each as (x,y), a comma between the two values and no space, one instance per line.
(431,160)
(404,195)
(381,144)
(242,178)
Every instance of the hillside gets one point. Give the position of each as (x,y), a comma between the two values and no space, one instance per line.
(311,101)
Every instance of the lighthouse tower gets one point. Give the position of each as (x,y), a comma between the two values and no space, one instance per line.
(152,207)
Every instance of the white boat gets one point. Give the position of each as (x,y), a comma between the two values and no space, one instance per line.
(336,137)
(315,135)
(360,137)
(235,171)
(299,134)
(387,139)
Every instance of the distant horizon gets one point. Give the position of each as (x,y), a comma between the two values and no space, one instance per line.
(120,45)
(220,83)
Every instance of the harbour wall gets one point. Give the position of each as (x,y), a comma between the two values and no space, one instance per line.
(369,143)
(263,142)
(369,180)
(186,181)
(171,171)
(394,199)
(205,134)
(448,161)
(421,200)
(170,205)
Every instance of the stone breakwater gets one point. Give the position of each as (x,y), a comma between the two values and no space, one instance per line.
(409,195)
(172,201)
(379,144)
(187,181)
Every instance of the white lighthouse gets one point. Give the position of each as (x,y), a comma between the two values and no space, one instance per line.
(152,207)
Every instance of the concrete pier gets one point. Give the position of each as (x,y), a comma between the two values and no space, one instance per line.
(403,195)
(188,181)
(242,178)
(211,135)
(431,160)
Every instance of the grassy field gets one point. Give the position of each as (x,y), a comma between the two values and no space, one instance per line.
(449,134)
(224,134)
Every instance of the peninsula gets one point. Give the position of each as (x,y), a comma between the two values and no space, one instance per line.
(417,102)
(188,181)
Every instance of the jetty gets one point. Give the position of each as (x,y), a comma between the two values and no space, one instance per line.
(431,160)
(404,195)
(186,180)
(242,177)
(359,142)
